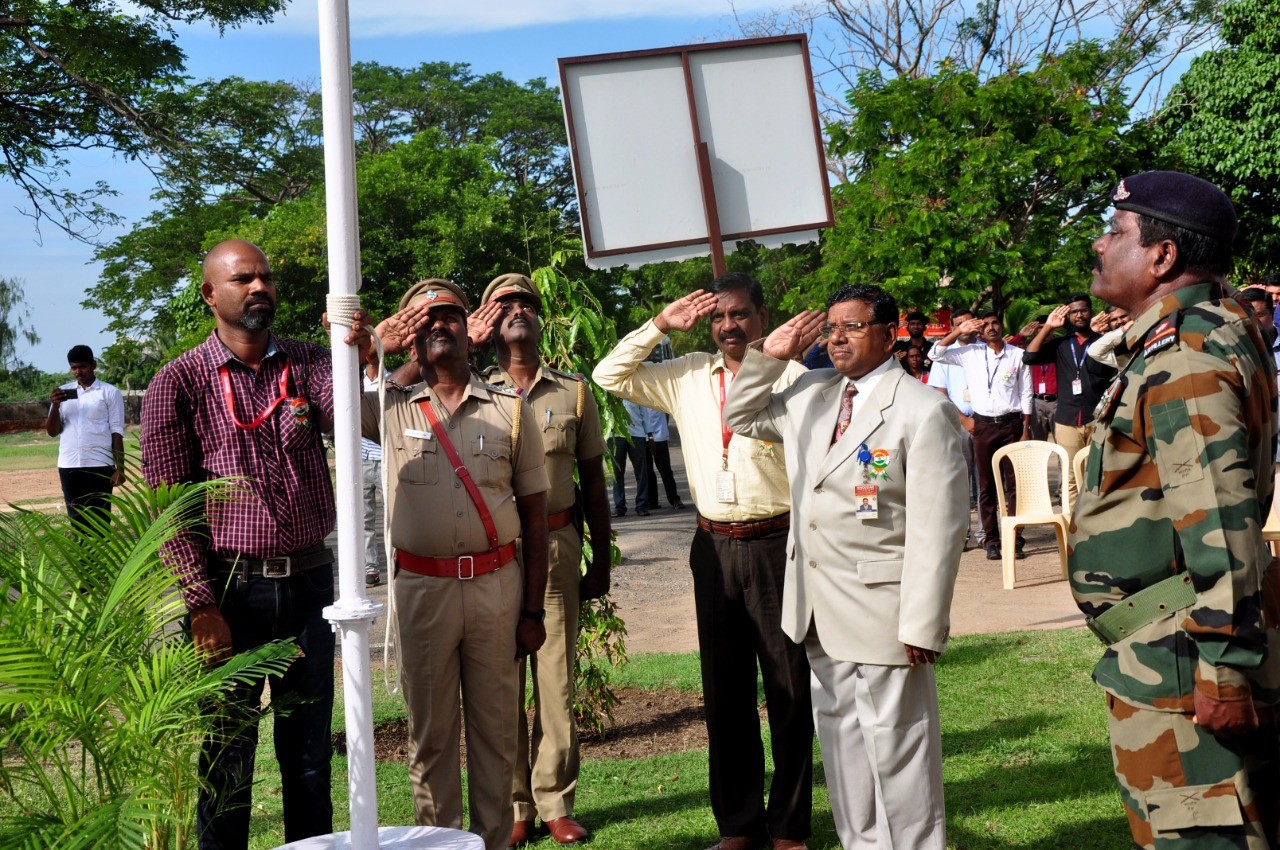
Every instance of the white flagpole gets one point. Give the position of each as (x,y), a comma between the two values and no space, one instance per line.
(353,612)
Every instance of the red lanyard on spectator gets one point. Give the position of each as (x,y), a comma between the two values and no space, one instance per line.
(725,433)
(230,400)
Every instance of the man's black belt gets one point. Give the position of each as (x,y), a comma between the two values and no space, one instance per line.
(1046,396)
(998,420)
(283,566)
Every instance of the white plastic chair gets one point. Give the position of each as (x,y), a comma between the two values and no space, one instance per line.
(1077,469)
(1030,461)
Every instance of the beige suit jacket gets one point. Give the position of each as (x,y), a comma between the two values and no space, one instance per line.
(870,586)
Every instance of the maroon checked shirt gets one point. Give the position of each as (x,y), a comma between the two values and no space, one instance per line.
(188,434)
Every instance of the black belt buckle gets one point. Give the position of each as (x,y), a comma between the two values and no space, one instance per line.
(281,567)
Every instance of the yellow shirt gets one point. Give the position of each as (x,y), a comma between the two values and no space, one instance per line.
(688,388)
(431,513)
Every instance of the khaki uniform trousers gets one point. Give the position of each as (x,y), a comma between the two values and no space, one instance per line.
(461,635)
(546,773)
(1073,438)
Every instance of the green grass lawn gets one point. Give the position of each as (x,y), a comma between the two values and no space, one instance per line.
(1026,760)
(21,450)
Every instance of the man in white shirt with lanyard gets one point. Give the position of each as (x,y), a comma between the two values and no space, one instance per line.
(87,415)
(949,380)
(1000,390)
(738,560)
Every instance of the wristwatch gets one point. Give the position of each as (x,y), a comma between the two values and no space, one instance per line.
(536,616)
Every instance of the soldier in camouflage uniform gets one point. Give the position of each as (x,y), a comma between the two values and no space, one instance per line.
(1166,552)
(546,774)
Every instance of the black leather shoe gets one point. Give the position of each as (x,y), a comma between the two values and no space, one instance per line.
(993,552)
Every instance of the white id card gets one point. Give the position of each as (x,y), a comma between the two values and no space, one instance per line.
(867,499)
(726,492)
(1077,387)
(421,435)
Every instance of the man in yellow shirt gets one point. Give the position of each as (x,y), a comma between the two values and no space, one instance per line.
(738,559)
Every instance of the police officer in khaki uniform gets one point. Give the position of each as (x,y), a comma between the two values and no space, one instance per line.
(466,610)
(566,412)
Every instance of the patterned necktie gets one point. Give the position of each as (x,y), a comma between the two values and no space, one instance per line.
(846,412)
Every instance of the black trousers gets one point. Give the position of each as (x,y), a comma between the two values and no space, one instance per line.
(261,610)
(84,489)
(988,438)
(619,451)
(660,456)
(737,592)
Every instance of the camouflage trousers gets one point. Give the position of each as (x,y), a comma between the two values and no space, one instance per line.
(1184,789)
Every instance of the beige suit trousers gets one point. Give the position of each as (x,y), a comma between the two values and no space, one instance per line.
(881,749)
(546,771)
(461,636)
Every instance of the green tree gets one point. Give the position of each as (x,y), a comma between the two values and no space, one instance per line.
(86,74)
(990,189)
(14,327)
(1223,117)
(103,701)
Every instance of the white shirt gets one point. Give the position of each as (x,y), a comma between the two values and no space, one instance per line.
(999,384)
(865,385)
(949,377)
(369,449)
(88,421)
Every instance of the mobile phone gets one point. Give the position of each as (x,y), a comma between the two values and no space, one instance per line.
(71,393)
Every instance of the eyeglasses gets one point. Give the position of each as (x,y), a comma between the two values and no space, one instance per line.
(849,329)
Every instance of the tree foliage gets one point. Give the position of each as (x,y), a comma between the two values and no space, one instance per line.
(14,327)
(1223,118)
(86,74)
(990,189)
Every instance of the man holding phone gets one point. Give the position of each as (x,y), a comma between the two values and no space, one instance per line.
(87,415)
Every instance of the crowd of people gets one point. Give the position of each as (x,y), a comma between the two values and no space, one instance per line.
(832,507)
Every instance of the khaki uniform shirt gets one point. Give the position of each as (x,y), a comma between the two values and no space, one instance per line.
(431,513)
(567,437)
(689,389)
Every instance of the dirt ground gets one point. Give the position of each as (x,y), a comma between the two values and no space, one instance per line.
(29,485)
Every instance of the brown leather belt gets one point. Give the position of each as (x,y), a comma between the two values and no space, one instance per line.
(463,566)
(283,566)
(746,530)
(555,522)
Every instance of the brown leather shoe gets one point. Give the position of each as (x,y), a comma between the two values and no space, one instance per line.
(566,830)
(788,844)
(739,842)
(521,833)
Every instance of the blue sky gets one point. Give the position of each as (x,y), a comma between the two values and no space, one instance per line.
(520,38)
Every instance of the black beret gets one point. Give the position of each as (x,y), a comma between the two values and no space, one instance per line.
(1179,199)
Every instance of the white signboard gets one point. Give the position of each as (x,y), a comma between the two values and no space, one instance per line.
(636,121)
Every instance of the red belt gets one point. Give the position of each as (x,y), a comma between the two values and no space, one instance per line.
(746,530)
(463,566)
(555,522)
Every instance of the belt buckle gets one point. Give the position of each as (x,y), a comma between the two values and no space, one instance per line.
(472,561)
(1097,632)
(277,567)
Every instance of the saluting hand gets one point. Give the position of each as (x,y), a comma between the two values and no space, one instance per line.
(1057,318)
(795,336)
(397,331)
(683,313)
(481,323)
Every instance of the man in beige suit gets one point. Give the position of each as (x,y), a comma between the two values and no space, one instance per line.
(878,493)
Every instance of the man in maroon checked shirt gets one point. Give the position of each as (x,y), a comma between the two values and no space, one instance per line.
(248,404)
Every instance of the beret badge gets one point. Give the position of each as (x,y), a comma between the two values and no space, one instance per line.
(432,295)
(1122,194)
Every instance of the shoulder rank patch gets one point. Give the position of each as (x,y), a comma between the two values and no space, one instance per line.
(562,373)
(1161,336)
(504,390)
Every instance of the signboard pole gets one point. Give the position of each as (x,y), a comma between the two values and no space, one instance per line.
(710,209)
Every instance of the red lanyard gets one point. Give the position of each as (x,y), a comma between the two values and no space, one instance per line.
(460,469)
(725,434)
(230,400)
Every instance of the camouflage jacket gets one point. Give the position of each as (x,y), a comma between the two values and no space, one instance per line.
(1179,478)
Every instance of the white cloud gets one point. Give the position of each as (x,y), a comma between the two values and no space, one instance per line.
(447,17)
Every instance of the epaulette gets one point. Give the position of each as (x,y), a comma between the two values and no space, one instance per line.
(392,385)
(498,388)
(1162,336)
(488,373)
(562,373)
